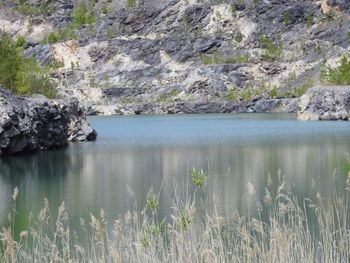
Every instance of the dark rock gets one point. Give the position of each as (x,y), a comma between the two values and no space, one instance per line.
(32,124)
(42,53)
(342,4)
(203,45)
(185,107)
(194,15)
(102,54)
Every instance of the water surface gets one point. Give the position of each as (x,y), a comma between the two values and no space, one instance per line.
(136,153)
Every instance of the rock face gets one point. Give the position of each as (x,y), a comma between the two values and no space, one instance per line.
(325,103)
(32,124)
(193,55)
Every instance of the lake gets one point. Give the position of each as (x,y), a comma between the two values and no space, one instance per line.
(136,153)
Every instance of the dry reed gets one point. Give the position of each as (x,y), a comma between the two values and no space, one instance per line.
(280,229)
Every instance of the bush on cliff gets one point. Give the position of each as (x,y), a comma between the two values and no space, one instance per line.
(20,74)
(339,75)
(81,15)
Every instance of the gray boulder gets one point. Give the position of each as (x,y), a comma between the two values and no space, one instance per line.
(325,103)
(33,124)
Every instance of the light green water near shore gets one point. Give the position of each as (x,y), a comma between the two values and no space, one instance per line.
(136,153)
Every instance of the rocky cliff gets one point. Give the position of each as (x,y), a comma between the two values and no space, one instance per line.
(32,124)
(169,56)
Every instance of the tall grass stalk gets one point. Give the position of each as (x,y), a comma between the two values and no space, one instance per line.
(277,228)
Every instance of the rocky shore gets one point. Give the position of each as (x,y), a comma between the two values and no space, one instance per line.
(34,124)
(184,107)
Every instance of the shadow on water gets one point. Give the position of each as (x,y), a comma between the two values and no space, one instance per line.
(37,176)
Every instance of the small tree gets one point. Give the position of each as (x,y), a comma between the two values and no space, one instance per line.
(131,3)
(20,74)
(81,15)
(10,62)
(337,76)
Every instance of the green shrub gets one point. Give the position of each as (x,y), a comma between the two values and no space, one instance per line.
(286,17)
(168,96)
(217,59)
(67,33)
(51,38)
(104,9)
(247,94)
(28,9)
(317,48)
(112,32)
(81,16)
(339,75)
(273,92)
(239,37)
(20,41)
(131,3)
(40,84)
(232,93)
(233,11)
(301,90)
(272,51)
(330,15)
(309,18)
(20,74)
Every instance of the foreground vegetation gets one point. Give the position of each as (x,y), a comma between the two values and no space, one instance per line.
(277,229)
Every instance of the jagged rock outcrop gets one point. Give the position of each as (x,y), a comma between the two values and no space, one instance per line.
(32,124)
(325,103)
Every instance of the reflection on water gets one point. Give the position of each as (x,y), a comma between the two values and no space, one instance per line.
(136,153)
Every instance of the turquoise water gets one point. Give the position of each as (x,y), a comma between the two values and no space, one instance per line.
(136,153)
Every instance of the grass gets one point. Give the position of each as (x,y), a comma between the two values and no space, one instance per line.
(167,96)
(277,228)
(29,10)
(245,94)
(51,38)
(218,59)
(248,93)
(20,41)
